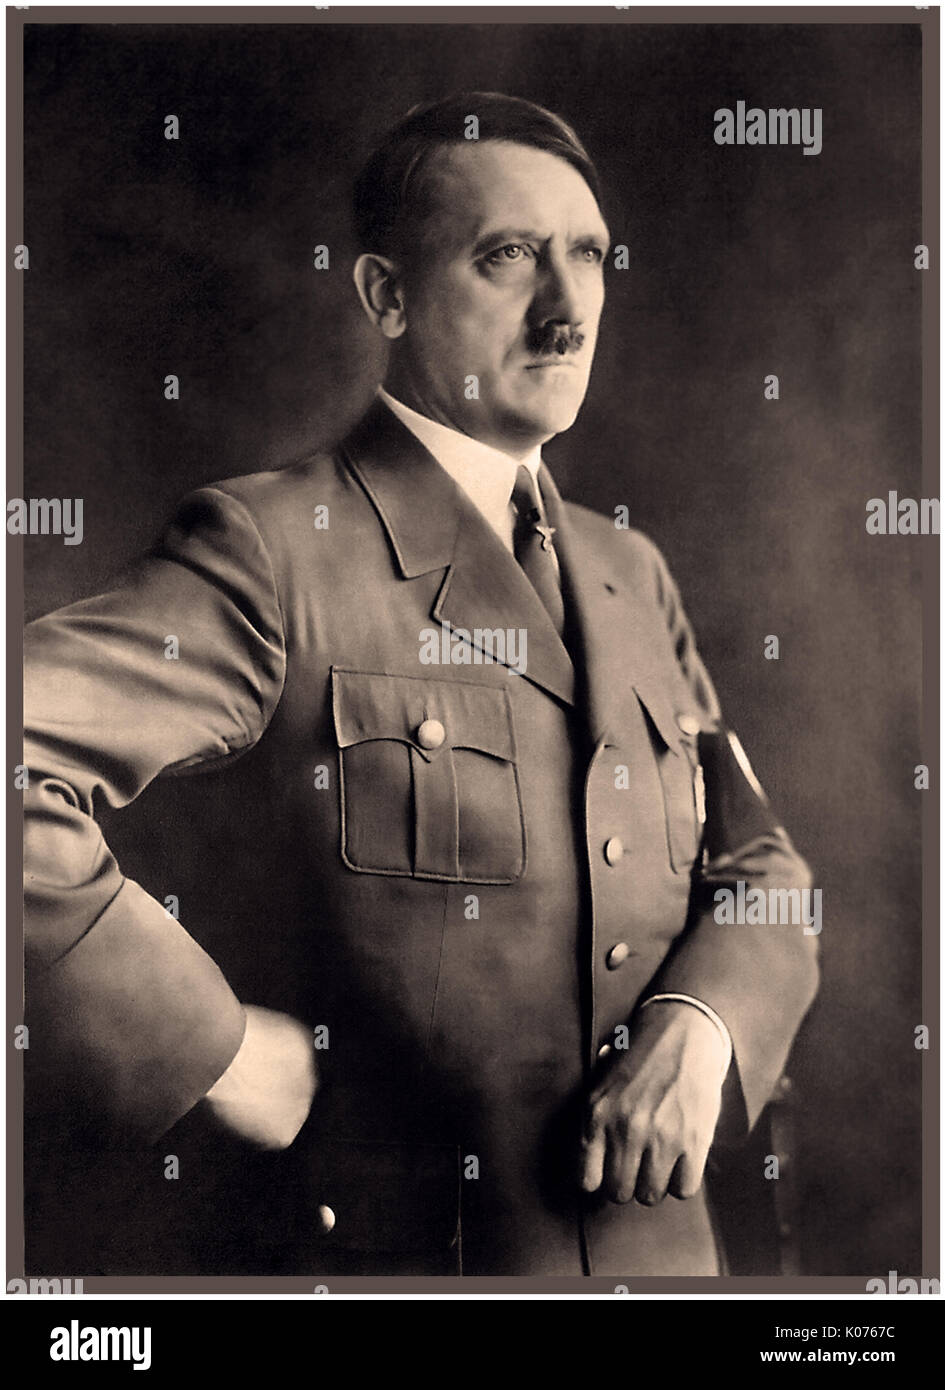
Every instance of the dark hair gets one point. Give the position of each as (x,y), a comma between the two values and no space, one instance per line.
(387,195)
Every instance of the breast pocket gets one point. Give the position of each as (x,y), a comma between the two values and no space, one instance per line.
(428,777)
(674,734)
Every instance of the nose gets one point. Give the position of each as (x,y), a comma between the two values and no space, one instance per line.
(557,296)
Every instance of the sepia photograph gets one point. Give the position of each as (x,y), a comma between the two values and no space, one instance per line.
(473,532)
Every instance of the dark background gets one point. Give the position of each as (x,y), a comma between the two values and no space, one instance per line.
(194,257)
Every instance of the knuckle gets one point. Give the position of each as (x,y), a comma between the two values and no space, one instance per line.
(639,1131)
(594,1128)
(599,1108)
(638,1122)
(622,1126)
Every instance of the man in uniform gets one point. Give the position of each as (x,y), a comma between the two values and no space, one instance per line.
(452,996)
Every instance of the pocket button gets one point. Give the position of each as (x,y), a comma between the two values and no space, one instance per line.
(431,734)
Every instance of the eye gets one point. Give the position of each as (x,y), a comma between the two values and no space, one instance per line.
(507,255)
(594,255)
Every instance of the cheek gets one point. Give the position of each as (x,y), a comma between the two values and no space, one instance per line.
(598,308)
(486,321)
(466,324)
(450,327)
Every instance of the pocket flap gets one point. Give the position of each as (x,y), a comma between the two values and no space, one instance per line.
(370,705)
(674,727)
(677,731)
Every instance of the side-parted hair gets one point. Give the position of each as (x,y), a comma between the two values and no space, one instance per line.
(388,192)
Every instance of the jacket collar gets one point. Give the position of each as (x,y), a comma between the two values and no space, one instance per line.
(432,525)
(413,496)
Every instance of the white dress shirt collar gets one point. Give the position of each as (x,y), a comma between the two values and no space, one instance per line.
(486,475)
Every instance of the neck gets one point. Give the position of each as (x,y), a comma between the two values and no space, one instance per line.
(399,386)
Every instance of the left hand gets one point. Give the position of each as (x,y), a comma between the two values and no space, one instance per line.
(652,1114)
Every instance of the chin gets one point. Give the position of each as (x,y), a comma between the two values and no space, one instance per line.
(556,421)
(554,418)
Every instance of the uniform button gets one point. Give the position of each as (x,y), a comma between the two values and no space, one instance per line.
(613,850)
(617,955)
(603,1051)
(326,1218)
(431,734)
(688,723)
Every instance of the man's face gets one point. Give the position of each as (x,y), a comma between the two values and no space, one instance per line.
(506,285)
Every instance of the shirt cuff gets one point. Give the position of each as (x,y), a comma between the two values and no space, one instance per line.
(703,1009)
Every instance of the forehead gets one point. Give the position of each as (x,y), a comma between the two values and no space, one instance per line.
(496,182)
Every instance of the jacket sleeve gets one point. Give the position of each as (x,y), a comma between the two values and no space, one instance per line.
(759,979)
(180,663)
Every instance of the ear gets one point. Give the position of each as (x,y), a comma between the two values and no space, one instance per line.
(375,279)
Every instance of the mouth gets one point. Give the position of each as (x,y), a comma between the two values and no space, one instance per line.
(552,362)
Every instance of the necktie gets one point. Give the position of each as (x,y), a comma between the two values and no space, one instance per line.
(534,549)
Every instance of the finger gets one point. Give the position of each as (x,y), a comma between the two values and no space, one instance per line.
(593,1149)
(605,1081)
(625,1148)
(687,1176)
(653,1178)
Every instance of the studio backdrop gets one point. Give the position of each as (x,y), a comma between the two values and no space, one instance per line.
(758,381)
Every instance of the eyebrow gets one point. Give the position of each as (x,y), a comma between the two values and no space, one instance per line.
(504,235)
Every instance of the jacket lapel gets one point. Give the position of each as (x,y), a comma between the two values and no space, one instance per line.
(432,524)
(613,642)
